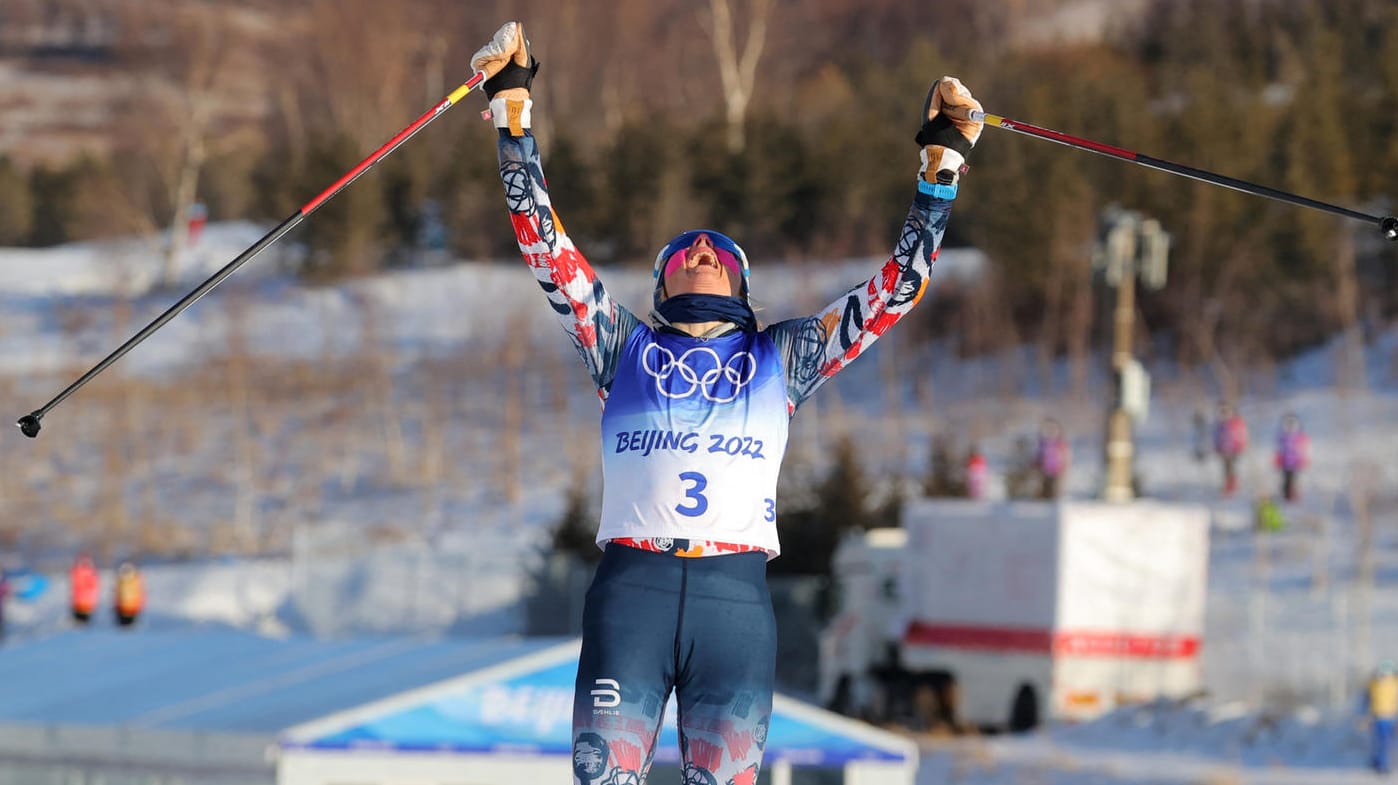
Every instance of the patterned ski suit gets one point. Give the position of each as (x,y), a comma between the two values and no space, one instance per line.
(693,433)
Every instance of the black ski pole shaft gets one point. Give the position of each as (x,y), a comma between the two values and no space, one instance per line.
(29,424)
(1386,224)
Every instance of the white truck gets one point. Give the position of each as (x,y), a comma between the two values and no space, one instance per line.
(1003,614)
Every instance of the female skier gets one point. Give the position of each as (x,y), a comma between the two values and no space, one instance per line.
(697,401)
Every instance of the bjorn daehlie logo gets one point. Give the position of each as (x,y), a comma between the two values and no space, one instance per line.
(607,694)
(699,370)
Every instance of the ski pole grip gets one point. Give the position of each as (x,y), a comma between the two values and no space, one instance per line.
(1389,226)
(964,113)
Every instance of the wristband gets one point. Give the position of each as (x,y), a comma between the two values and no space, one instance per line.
(936,190)
(511,114)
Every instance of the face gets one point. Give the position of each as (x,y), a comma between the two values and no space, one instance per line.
(701,269)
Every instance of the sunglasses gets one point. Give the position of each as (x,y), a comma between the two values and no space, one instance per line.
(677,251)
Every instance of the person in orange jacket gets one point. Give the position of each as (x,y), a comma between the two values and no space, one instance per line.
(130,594)
(84,588)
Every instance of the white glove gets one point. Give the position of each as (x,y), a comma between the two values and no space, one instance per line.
(948,133)
(509,70)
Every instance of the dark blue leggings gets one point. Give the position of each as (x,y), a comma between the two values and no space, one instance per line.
(655,622)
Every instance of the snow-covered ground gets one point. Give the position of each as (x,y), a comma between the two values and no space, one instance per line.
(1291,628)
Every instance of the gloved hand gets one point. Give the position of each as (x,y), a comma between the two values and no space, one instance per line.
(509,70)
(948,133)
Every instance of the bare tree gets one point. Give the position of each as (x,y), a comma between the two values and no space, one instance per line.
(208,50)
(1350,371)
(737,72)
(511,360)
(197,69)
(366,63)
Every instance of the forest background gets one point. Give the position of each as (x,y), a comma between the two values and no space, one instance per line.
(788,125)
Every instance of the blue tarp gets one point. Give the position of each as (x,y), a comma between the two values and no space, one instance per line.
(223,680)
(530,711)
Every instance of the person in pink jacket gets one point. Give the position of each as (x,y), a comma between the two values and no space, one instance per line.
(1052,458)
(1293,454)
(1230,440)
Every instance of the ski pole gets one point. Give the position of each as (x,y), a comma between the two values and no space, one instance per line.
(1387,224)
(29,424)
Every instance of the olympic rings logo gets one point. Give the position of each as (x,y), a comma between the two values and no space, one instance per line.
(701,369)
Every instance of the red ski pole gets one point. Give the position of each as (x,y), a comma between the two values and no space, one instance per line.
(29,424)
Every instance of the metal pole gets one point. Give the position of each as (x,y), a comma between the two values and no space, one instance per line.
(1388,225)
(1121,448)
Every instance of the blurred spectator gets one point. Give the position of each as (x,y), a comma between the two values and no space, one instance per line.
(1269,515)
(1052,458)
(1022,474)
(977,474)
(1230,440)
(1293,454)
(198,219)
(84,588)
(1201,436)
(130,594)
(1380,707)
(4,593)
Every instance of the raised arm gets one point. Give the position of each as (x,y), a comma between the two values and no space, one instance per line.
(597,325)
(817,347)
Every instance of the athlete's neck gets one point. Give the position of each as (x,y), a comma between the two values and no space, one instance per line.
(702,329)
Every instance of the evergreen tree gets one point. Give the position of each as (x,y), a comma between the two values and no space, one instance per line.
(469,191)
(81,200)
(844,494)
(813,524)
(945,476)
(576,530)
(346,237)
(1316,146)
(55,193)
(789,185)
(573,192)
(721,182)
(404,182)
(631,173)
(16,206)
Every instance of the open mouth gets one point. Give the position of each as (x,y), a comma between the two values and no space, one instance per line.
(704,258)
(697,258)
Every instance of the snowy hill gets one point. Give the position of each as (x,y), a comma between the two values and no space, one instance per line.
(1294,619)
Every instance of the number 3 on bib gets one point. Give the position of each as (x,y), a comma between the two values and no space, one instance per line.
(695,494)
